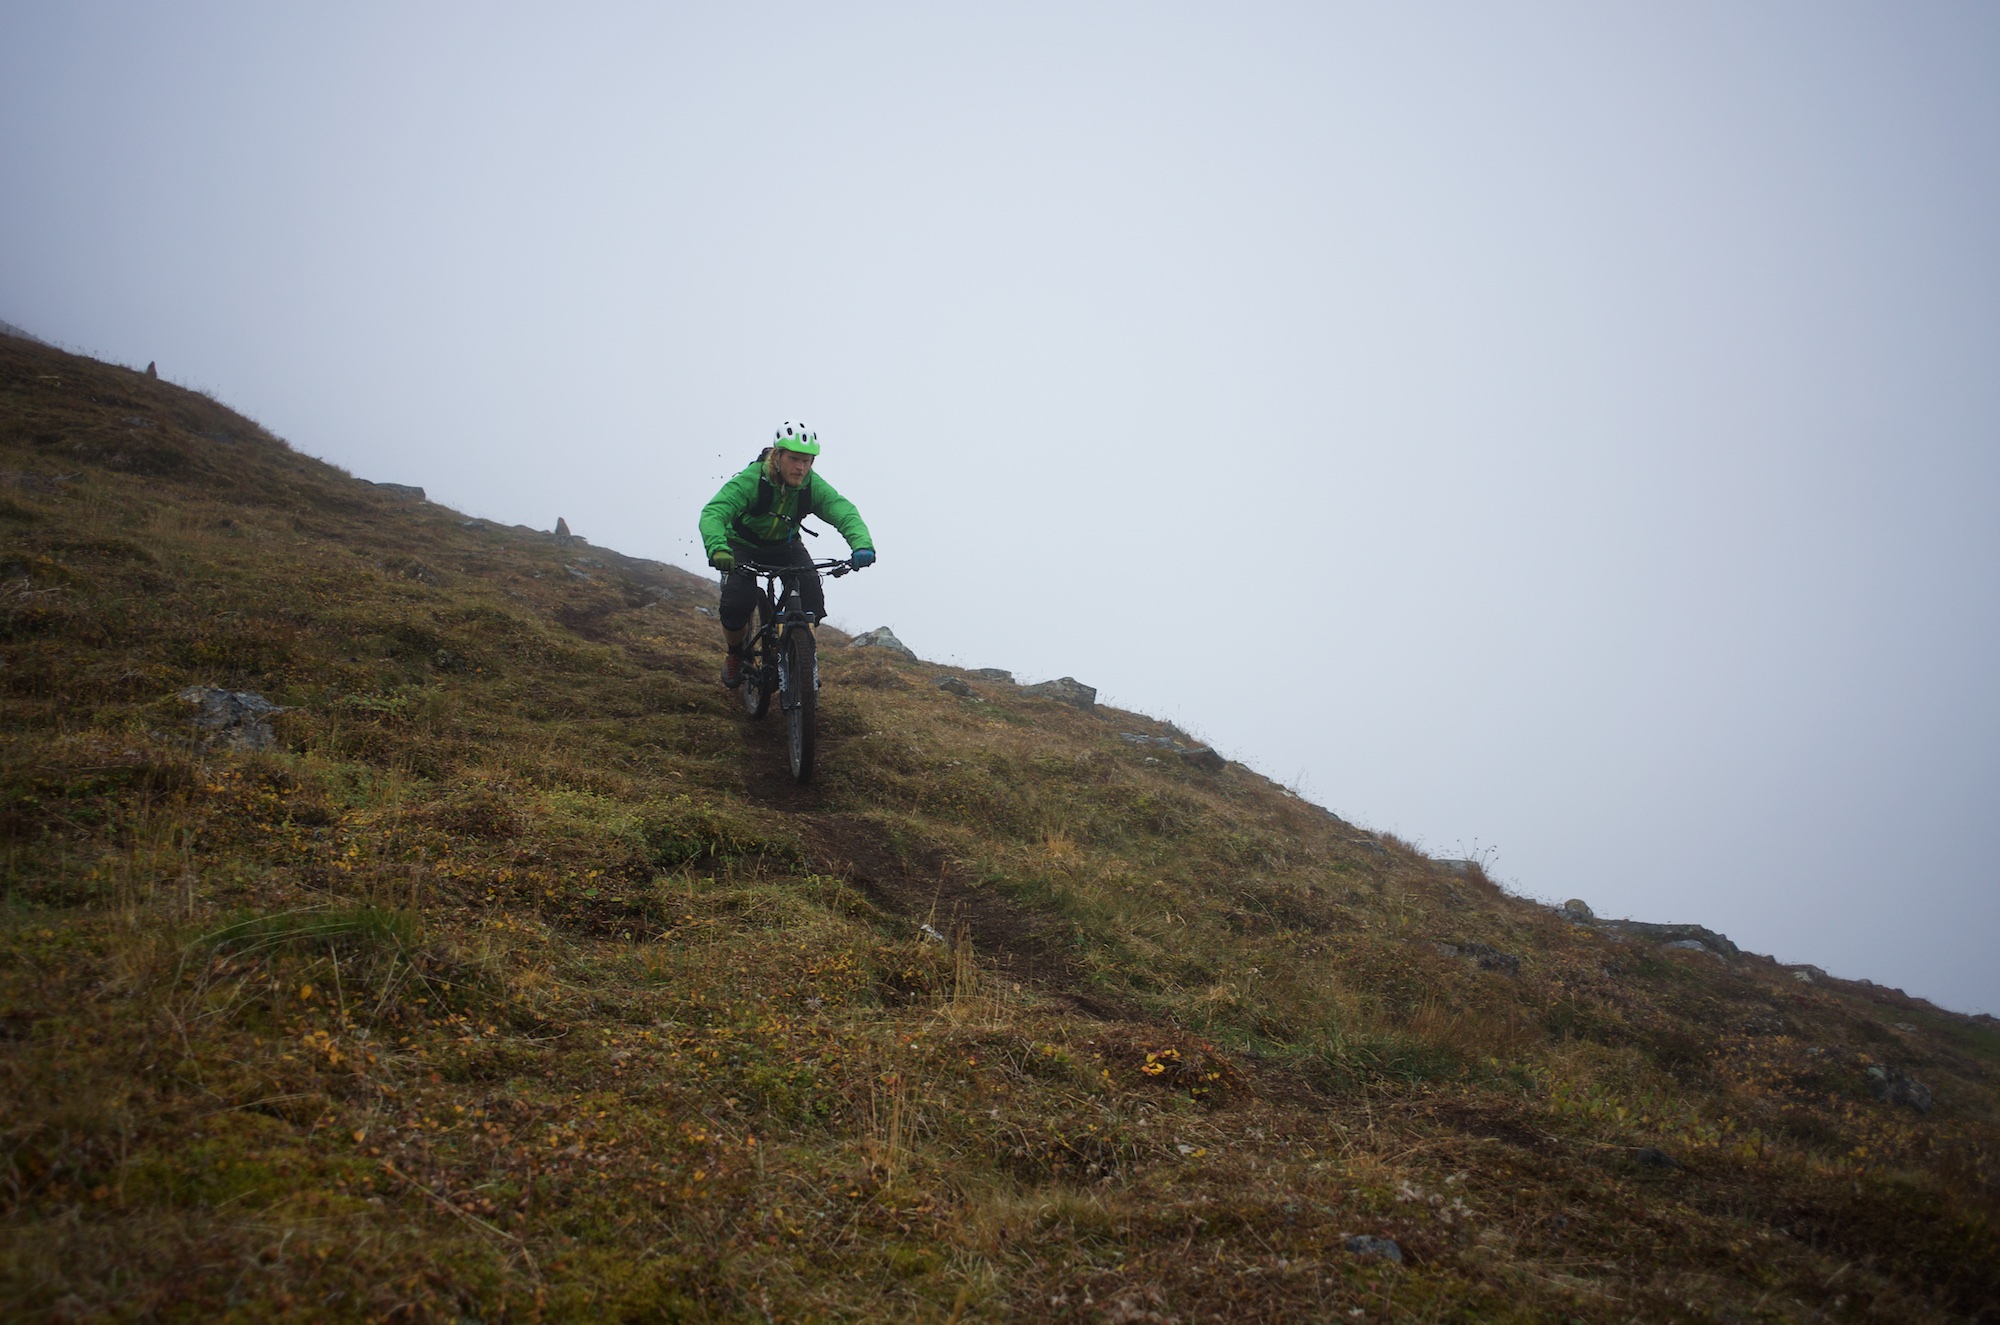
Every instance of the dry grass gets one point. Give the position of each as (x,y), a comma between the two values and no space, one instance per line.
(514,982)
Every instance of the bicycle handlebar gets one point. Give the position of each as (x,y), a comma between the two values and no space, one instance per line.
(837,567)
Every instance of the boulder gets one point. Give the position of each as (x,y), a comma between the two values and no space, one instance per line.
(400,491)
(1065,690)
(883,638)
(994,674)
(951,685)
(1892,1085)
(1368,1245)
(1691,945)
(1202,757)
(1458,867)
(1577,909)
(238,719)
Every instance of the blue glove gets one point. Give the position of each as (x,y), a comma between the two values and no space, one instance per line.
(863,556)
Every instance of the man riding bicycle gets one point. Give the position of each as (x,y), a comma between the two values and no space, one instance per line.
(756,518)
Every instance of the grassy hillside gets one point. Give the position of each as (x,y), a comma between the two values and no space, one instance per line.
(513,980)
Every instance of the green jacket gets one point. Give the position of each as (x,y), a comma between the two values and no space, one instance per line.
(752,511)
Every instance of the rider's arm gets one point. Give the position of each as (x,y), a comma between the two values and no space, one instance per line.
(839,512)
(725,506)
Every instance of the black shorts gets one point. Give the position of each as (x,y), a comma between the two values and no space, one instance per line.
(739,587)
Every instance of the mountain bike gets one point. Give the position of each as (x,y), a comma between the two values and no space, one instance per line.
(781,658)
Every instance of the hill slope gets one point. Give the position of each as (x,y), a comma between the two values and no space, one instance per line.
(509,978)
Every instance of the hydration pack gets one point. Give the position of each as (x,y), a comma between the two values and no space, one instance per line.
(767,496)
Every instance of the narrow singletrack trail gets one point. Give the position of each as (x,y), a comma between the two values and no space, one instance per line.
(918,884)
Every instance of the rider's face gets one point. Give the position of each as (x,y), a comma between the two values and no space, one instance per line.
(793,467)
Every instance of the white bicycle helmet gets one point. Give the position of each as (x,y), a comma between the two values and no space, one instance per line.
(796,437)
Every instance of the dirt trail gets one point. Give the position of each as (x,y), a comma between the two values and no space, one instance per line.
(920,884)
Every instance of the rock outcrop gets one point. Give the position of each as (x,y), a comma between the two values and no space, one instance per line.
(237,719)
(1892,1085)
(883,638)
(1065,690)
(1201,756)
(1673,934)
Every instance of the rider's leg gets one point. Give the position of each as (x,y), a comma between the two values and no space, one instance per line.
(739,599)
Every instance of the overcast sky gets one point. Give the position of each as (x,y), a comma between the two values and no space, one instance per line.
(1564,432)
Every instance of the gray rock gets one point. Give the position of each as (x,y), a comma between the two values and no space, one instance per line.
(400,491)
(1203,757)
(562,527)
(474,525)
(883,638)
(1806,974)
(951,685)
(1892,1085)
(1577,909)
(239,719)
(1366,1244)
(1691,945)
(1711,940)
(1458,867)
(994,674)
(1065,690)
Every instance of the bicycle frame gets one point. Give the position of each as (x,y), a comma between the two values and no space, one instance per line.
(780,615)
(781,641)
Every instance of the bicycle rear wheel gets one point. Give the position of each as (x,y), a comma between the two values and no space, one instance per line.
(757,664)
(801,698)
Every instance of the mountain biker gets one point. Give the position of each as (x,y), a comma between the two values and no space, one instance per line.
(756,518)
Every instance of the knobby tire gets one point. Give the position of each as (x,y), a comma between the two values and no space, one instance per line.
(757,668)
(801,699)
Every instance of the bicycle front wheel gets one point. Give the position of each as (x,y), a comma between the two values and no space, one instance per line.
(801,698)
(757,664)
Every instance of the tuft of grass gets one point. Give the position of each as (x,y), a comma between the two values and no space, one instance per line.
(365,929)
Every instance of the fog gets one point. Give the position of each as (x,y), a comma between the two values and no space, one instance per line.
(1566,434)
